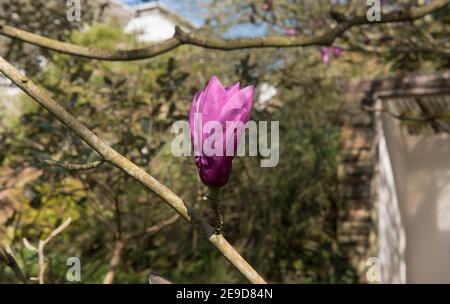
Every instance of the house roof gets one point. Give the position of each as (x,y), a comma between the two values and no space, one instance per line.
(140,9)
(419,112)
(417,100)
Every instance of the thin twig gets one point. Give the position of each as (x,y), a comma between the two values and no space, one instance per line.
(131,169)
(403,117)
(28,245)
(398,116)
(154,229)
(74,167)
(43,243)
(209,42)
(114,262)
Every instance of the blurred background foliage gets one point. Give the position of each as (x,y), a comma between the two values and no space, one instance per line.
(283,220)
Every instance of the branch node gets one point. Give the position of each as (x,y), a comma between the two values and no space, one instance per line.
(338,17)
(179,33)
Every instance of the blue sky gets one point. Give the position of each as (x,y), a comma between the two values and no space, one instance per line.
(192,11)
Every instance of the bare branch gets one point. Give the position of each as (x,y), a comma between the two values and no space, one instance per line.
(87,52)
(43,243)
(131,169)
(209,42)
(155,228)
(114,262)
(28,245)
(8,258)
(74,167)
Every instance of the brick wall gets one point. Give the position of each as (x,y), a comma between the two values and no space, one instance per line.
(357,224)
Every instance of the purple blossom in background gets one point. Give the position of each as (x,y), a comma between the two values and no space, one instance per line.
(325,55)
(336,52)
(319,23)
(267,6)
(218,104)
(385,38)
(326,52)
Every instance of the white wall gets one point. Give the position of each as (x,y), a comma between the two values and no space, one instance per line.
(391,232)
(418,208)
(151,27)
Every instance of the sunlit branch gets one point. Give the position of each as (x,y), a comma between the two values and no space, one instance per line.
(210,42)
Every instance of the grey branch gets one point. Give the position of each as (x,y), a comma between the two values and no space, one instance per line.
(74,167)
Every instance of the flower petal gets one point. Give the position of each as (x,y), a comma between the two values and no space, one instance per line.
(232,130)
(232,90)
(215,171)
(194,108)
(241,100)
(213,96)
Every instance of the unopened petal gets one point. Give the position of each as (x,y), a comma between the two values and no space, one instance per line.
(231,91)
(241,100)
(214,95)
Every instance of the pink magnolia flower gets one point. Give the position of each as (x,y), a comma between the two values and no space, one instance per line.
(336,52)
(221,108)
(325,55)
(267,6)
